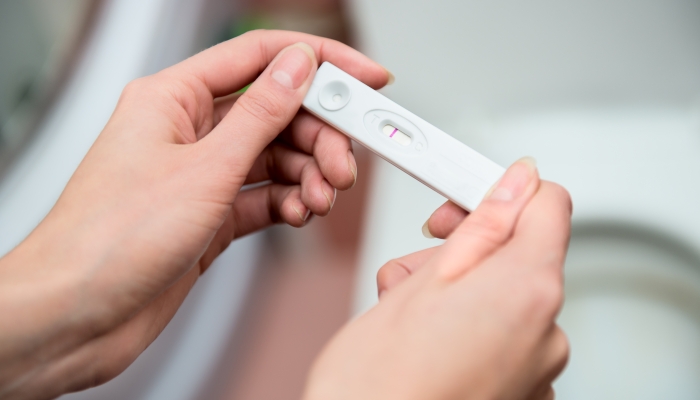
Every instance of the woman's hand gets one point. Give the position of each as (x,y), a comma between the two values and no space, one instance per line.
(158,197)
(473,318)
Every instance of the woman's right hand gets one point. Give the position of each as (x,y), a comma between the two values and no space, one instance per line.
(473,318)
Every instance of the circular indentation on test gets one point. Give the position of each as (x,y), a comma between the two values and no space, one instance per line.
(334,96)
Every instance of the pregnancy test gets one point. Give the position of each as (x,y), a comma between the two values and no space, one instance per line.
(418,148)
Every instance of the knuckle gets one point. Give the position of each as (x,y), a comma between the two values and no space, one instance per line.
(135,88)
(561,350)
(489,227)
(561,196)
(545,297)
(275,202)
(262,106)
(390,266)
(140,92)
(562,344)
(383,275)
(390,272)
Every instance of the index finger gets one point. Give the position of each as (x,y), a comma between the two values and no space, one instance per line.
(231,65)
(444,220)
(331,149)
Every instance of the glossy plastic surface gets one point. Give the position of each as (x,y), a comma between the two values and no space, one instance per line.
(433,157)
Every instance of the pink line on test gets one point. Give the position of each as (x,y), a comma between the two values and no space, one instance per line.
(392,133)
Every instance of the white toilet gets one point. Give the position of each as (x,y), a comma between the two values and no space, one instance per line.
(604,95)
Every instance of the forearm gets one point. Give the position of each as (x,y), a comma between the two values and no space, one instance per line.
(40,296)
(153,203)
(75,310)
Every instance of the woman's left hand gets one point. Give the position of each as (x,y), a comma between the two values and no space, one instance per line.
(158,197)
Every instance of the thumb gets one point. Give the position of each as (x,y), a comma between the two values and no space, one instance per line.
(492,224)
(264,110)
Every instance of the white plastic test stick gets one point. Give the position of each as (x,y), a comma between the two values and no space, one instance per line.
(428,154)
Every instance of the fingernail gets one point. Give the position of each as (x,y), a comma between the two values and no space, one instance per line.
(329,192)
(426,231)
(353,167)
(294,65)
(515,180)
(301,210)
(391,78)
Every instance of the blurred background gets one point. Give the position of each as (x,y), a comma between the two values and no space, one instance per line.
(605,94)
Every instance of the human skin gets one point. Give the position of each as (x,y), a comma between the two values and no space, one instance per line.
(473,318)
(158,197)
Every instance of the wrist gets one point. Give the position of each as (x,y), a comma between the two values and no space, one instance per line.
(38,302)
(46,296)
(38,296)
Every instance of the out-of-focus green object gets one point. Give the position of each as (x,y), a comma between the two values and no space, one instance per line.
(250,22)
(328,23)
